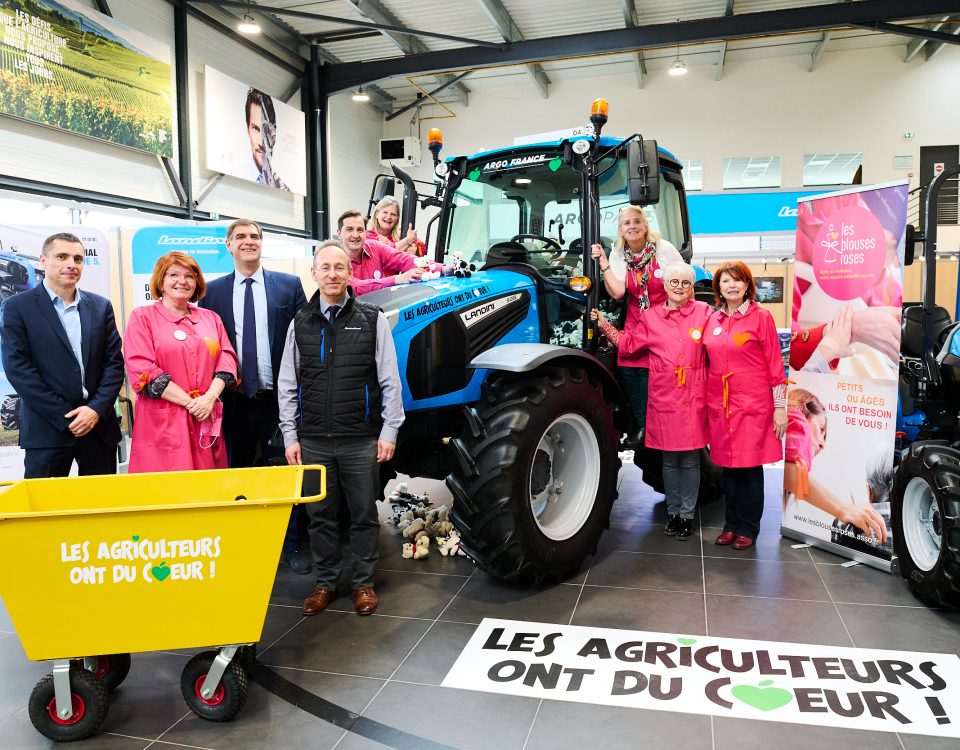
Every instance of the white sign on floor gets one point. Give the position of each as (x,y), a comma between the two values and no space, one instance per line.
(855,688)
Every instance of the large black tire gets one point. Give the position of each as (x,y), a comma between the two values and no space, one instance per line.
(508,467)
(227,699)
(90,706)
(649,461)
(10,413)
(112,669)
(926,522)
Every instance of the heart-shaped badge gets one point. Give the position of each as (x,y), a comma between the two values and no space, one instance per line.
(741,337)
(160,572)
(762,697)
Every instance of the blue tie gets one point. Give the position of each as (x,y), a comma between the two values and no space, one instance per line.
(248,354)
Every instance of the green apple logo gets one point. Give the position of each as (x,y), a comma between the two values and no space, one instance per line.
(555,163)
(160,572)
(686,641)
(763,697)
(474,173)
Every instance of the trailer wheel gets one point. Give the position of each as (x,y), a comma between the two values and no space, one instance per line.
(90,704)
(230,693)
(112,669)
(538,475)
(926,522)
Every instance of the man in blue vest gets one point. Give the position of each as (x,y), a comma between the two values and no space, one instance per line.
(61,352)
(341,407)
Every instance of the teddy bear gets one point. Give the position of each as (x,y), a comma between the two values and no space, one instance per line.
(419,549)
(461,269)
(451,545)
(414,528)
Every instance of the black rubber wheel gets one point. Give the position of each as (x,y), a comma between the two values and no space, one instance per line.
(112,669)
(90,706)
(926,522)
(10,413)
(537,476)
(227,699)
(650,462)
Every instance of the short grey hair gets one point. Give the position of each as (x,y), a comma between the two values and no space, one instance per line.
(332,242)
(679,271)
(62,237)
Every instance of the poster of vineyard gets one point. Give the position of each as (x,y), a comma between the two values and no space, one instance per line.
(70,67)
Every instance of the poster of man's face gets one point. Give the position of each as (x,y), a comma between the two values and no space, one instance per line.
(267,146)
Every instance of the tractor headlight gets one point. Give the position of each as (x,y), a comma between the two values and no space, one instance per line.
(580,284)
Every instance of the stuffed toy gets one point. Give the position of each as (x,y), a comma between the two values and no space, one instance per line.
(461,269)
(450,546)
(414,528)
(418,549)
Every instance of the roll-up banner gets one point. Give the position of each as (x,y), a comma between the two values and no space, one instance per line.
(205,244)
(21,271)
(842,402)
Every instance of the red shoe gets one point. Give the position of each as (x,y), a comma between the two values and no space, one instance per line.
(725,538)
(742,542)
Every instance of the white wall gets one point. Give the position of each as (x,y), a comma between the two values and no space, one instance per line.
(854,101)
(353,132)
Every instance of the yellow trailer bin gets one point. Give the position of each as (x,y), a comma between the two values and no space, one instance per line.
(143,562)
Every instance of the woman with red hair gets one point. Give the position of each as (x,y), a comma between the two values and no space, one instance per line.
(746,399)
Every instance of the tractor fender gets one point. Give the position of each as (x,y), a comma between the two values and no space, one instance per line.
(529,357)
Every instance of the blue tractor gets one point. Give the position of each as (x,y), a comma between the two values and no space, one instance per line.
(925,505)
(507,392)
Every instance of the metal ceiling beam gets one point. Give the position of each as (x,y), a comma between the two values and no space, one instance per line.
(394,28)
(935,47)
(737,26)
(631,21)
(894,28)
(723,45)
(409,45)
(420,98)
(818,50)
(508,30)
(379,99)
(917,44)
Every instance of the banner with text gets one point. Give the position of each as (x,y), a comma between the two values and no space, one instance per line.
(205,244)
(21,271)
(845,343)
(65,65)
(854,688)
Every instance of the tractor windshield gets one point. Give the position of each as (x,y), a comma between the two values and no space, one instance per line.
(535,199)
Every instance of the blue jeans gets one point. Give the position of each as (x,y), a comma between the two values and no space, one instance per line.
(681,481)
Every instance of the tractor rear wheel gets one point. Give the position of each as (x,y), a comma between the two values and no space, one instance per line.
(537,476)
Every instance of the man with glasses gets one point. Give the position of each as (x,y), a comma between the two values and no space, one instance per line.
(340,407)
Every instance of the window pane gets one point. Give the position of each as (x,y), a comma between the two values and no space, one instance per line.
(832,169)
(693,174)
(751,172)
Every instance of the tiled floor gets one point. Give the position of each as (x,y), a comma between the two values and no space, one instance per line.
(379,677)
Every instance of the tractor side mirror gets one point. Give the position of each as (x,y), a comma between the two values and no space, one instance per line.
(910,239)
(644,172)
(382,188)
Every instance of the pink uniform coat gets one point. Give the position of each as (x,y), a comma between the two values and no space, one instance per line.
(744,365)
(376,260)
(676,398)
(165,436)
(650,278)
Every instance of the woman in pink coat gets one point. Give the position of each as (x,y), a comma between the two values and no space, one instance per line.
(179,360)
(746,399)
(672,335)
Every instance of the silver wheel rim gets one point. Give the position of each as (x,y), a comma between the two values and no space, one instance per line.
(921,524)
(564,477)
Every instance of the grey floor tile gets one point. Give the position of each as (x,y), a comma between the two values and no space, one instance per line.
(776,620)
(267,721)
(636,609)
(746,577)
(346,643)
(921,742)
(6,624)
(768,547)
(864,585)
(462,719)
(18,734)
(561,724)
(649,571)
(415,594)
(19,676)
(435,654)
(648,538)
(484,596)
(743,734)
(903,628)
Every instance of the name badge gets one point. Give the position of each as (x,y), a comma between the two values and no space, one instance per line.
(717,331)
(658,274)
(376,274)
(180,335)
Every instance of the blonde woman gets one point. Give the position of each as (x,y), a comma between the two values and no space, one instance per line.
(635,269)
(384,226)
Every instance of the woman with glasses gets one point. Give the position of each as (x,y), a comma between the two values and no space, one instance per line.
(179,360)
(746,399)
(671,334)
(635,269)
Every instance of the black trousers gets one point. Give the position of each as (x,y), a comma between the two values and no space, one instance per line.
(743,493)
(248,425)
(92,455)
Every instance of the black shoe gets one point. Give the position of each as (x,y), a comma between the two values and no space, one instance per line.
(684,529)
(299,563)
(673,526)
(635,440)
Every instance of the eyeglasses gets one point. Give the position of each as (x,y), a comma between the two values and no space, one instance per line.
(185,276)
(678,284)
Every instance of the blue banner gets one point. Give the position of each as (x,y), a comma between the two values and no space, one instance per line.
(745,213)
(206,245)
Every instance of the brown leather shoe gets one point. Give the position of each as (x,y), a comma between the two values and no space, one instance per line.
(365,601)
(318,600)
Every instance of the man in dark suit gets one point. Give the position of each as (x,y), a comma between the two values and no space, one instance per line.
(61,352)
(256,306)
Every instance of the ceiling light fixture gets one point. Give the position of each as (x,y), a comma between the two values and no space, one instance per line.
(248,25)
(678,68)
(361,95)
